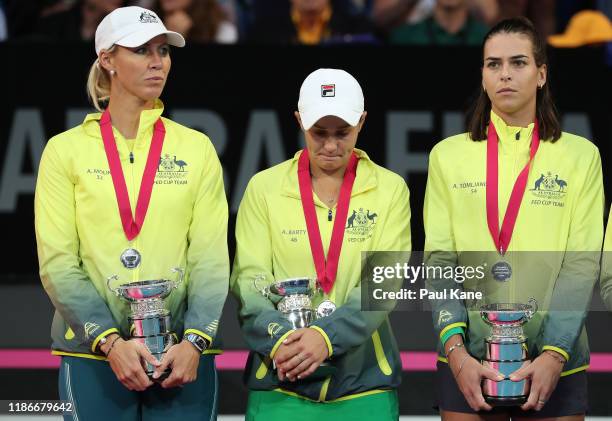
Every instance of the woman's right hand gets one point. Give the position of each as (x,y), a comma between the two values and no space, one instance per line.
(126,360)
(468,373)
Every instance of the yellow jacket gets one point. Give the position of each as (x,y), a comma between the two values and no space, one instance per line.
(554,250)
(80,236)
(272,240)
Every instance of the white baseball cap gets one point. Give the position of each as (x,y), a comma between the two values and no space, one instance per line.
(330,92)
(132,26)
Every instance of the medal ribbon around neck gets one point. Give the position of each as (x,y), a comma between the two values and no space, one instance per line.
(327,269)
(131,225)
(502,238)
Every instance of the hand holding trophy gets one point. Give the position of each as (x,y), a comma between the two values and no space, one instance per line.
(293,298)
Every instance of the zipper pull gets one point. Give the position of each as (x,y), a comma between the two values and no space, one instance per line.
(329,215)
(518,135)
(131,157)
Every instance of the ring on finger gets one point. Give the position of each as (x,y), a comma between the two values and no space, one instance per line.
(541,401)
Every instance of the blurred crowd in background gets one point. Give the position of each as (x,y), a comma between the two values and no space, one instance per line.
(566,23)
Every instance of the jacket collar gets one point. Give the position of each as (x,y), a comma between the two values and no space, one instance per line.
(91,124)
(507,134)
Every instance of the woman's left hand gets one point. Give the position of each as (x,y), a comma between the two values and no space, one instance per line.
(544,372)
(183,359)
(300,354)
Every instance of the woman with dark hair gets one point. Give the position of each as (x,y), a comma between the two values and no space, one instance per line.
(517,171)
(203,21)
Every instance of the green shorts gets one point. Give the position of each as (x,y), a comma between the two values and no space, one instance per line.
(278,406)
(96,394)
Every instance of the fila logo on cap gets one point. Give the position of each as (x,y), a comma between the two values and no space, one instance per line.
(328,90)
(146,17)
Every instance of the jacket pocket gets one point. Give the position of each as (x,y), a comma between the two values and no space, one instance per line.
(381,358)
(263,368)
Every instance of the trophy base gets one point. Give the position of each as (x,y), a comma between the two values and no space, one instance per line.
(150,369)
(161,378)
(505,400)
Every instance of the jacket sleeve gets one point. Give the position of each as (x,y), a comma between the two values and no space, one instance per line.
(606,267)
(68,286)
(350,326)
(263,326)
(207,255)
(440,249)
(573,288)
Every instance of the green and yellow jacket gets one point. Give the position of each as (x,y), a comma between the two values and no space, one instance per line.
(80,236)
(272,240)
(555,248)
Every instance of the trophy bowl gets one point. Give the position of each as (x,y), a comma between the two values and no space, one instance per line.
(506,351)
(287,287)
(507,313)
(143,290)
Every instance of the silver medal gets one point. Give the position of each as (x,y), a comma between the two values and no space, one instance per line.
(130,258)
(326,308)
(502,271)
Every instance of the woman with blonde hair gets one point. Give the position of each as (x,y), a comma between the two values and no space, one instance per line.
(112,199)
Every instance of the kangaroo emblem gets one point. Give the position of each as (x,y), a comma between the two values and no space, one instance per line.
(562,183)
(351,219)
(538,182)
(372,217)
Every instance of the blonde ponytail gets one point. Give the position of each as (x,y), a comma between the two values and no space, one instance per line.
(98,85)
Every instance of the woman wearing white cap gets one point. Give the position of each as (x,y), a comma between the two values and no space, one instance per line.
(317,213)
(132,194)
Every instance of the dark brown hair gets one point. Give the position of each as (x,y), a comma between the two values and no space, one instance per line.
(546,112)
(207,16)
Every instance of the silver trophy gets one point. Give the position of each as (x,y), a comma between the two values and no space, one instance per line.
(506,351)
(149,320)
(293,299)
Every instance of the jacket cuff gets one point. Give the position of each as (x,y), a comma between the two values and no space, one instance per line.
(451,326)
(457,330)
(107,332)
(556,349)
(330,349)
(279,342)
